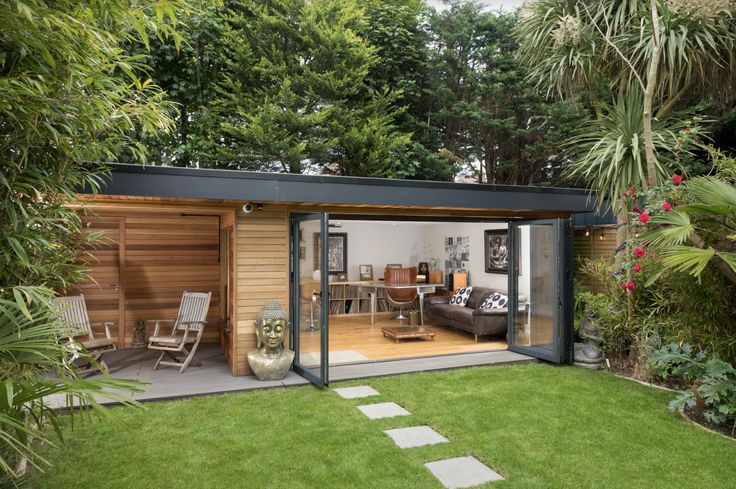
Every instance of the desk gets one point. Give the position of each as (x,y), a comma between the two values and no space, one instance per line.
(421,290)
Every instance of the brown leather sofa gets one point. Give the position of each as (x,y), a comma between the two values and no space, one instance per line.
(478,322)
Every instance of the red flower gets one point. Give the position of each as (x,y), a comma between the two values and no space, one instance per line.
(639,252)
(649,182)
(636,209)
(631,191)
(631,285)
(687,129)
(677,180)
(667,206)
(644,217)
(624,285)
(637,268)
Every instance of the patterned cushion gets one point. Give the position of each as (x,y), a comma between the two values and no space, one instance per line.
(495,301)
(461,296)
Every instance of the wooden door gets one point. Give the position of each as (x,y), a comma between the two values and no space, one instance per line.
(103,288)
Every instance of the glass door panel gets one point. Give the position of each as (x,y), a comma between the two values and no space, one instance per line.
(536,320)
(309,297)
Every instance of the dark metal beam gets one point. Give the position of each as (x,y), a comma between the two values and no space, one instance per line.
(171,182)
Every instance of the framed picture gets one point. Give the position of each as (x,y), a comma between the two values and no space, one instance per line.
(337,253)
(366,272)
(423,272)
(496,247)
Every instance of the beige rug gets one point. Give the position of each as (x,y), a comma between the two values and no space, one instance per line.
(336,357)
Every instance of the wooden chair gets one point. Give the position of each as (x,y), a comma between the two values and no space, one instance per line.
(191,321)
(400,297)
(72,310)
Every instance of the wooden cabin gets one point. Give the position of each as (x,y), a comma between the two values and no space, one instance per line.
(251,237)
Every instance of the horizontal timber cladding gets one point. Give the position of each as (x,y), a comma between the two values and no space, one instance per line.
(149,259)
(261,273)
(593,242)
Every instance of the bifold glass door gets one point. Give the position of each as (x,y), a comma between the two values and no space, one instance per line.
(309,297)
(540,288)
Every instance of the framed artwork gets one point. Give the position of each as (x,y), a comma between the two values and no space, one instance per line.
(366,272)
(337,253)
(496,248)
(423,272)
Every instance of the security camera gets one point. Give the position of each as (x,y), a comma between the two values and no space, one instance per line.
(248,207)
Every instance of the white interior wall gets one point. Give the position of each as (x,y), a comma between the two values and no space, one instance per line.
(380,242)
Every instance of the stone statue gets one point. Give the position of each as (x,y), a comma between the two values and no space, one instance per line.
(588,354)
(271,360)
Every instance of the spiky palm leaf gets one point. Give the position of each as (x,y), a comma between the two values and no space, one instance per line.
(709,222)
(610,151)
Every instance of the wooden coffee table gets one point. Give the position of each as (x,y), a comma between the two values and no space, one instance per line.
(406,332)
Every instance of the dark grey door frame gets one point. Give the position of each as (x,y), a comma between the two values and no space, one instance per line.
(562,249)
(322,379)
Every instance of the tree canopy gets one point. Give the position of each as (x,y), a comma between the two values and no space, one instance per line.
(376,88)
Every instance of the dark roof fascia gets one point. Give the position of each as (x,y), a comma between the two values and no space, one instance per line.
(248,186)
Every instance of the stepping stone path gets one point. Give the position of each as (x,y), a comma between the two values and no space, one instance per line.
(462,472)
(453,473)
(383,410)
(416,436)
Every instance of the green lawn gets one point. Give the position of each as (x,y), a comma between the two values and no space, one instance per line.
(539,426)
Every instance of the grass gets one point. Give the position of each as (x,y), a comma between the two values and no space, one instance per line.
(540,426)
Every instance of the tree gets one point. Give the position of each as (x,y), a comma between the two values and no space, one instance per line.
(491,119)
(294,95)
(662,55)
(70,97)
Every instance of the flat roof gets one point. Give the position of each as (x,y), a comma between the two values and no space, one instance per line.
(249,186)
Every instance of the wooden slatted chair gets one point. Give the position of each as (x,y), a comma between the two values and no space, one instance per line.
(72,310)
(190,321)
(400,297)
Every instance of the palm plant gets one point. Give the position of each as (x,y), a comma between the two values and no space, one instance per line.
(701,232)
(35,368)
(610,151)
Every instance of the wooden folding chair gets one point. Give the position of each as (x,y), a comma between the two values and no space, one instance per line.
(191,321)
(72,310)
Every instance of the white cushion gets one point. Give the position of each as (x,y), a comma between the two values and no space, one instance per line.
(495,301)
(461,296)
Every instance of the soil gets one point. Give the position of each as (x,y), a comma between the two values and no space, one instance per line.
(695,413)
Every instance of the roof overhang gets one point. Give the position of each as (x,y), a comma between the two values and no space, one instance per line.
(230,185)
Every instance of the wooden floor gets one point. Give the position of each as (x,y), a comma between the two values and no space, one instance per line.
(354,339)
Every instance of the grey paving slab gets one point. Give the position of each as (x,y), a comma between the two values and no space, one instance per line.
(459,472)
(383,410)
(415,436)
(356,392)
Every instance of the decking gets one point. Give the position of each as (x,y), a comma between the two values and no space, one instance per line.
(214,376)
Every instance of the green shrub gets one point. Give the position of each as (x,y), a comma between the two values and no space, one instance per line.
(712,380)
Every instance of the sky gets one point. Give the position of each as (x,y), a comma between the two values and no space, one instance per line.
(492,4)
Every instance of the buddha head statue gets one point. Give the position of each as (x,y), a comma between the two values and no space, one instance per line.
(271,324)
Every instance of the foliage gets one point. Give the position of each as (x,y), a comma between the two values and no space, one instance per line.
(70,96)
(701,229)
(714,381)
(492,120)
(34,368)
(293,96)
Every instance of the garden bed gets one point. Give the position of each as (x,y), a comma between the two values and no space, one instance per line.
(695,414)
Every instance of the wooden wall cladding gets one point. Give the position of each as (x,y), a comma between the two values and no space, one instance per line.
(103,294)
(164,256)
(592,246)
(262,273)
(151,259)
